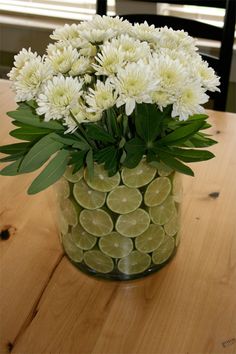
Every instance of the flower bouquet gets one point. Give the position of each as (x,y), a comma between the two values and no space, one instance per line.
(116,111)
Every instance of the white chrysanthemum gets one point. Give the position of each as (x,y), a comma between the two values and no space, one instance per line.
(88,50)
(170,73)
(110,60)
(132,49)
(93,116)
(33,74)
(101,97)
(206,75)
(20,60)
(117,24)
(80,66)
(162,98)
(68,34)
(134,83)
(144,32)
(97,35)
(62,61)
(176,40)
(189,101)
(59,95)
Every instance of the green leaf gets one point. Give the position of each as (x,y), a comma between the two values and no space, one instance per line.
(27,116)
(89,163)
(29,133)
(175,164)
(199,140)
(40,153)
(135,149)
(12,169)
(52,173)
(147,121)
(112,123)
(14,148)
(188,155)
(181,134)
(12,157)
(98,133)
(77,160)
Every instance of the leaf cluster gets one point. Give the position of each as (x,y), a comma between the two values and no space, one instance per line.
(114,141)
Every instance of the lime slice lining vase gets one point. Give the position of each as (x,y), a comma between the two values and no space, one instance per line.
(121,227)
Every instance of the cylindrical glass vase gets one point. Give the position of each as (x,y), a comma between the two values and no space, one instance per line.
(121,227)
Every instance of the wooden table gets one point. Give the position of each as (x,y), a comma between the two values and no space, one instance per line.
(189,307)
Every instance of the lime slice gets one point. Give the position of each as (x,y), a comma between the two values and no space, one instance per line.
(133,224)
(163,170)
(161,254)
(177,189)
(87,197)
(135,263)
(150,239)
(138,176)
(69,211)
(116,245)
(82,238)
(123,200)
(74,252)
(161,214)
(172,226)
(101,182)
(98,261)
(73,177)
(96,222)
(157,191)
(62,189)
(63,225)
(177,239)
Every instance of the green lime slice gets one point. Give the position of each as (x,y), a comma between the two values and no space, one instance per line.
(74,252)
(138,176)
(150,239)
(62,189)
(135,263)
(98,261)
(133,224)
(62,224)
(162,253)
(115,245)
(82,238)
(123,200)
(177,239)
(163,169)
(157,191)
(88,198)
(161,214)
(101,182)
(70,211)
(96,222)
(172,226)
(73,177)
(177,189)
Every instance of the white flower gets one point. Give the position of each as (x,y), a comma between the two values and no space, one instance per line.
(62,61)
(189,100)
(144,32)
(33,74)
(97,35)
(206,75)
(93,116)
(101,97)
(170,73)
(68,34)
(21,59)
(59,95)
(132,49)
(88,50)
(80,66)
(162,98)
(109,61)
(134,83)
(116,24)
(176,40)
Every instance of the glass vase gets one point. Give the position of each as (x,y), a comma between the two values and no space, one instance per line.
(121,227)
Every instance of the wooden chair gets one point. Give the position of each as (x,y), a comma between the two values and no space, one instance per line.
(225,35)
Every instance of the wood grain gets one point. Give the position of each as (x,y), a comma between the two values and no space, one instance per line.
(189,307)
